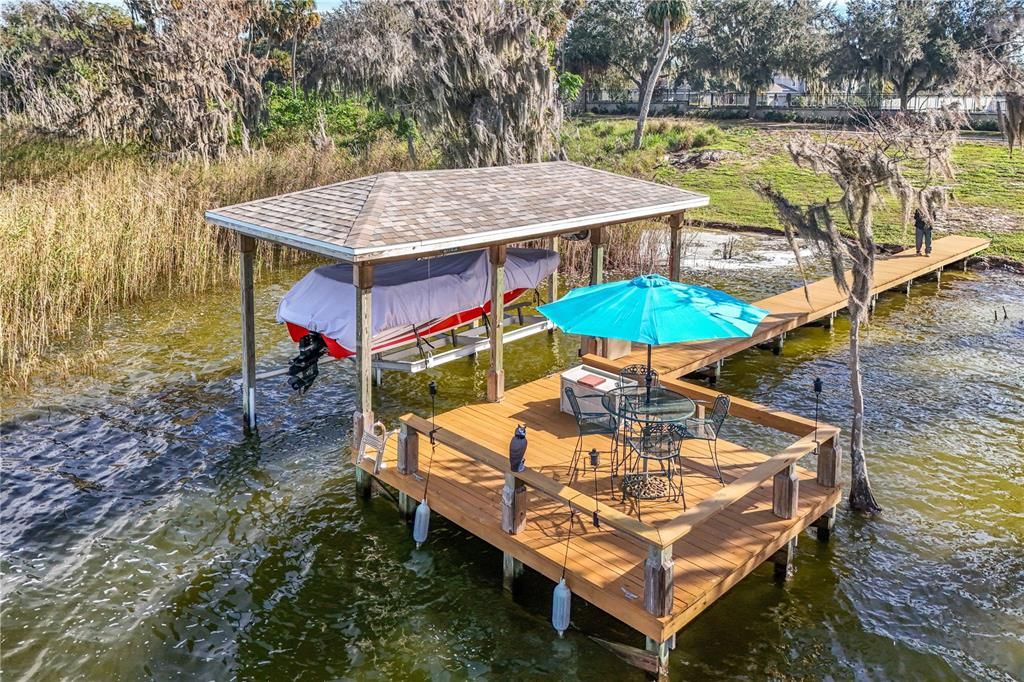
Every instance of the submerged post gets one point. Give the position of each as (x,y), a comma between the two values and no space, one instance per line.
(675,247)
(496,373)
(247,249)
(362,418)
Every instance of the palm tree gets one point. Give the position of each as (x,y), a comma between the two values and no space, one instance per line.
(669,16)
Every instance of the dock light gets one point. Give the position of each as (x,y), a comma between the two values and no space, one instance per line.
(819,385)
(517,450)
(561,605)
(595,458)
(421,523)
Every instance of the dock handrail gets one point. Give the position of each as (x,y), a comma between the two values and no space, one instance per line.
(689,520)
(540,482)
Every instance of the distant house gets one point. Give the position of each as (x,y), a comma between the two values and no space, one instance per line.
(783,90)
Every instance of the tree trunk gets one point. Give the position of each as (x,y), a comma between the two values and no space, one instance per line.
(652,81)
(861,497)
(904,98)
(752,102)
(295,44)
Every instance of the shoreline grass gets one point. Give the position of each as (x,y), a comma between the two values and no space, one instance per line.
(79,242)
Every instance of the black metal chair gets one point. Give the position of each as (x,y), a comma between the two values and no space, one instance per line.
(708,428)
(660,443)
(639,374)
(589,424)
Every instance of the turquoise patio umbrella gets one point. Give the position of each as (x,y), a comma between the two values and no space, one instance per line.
(654,310)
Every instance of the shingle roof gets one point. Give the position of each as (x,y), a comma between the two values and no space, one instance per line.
(392,215)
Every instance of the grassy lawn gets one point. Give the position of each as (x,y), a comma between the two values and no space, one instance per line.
(988,192)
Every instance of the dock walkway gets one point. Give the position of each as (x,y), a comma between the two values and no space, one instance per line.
(792,309)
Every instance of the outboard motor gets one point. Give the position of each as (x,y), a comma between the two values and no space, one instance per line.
(303,369)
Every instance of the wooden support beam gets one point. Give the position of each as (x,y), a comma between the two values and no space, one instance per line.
(551,243)
(659,573)
(362,418)
(830,460)
(660,651)
(824,525)
(513,505)
(786,493)
(406,506)
(910,283)
(511,571)
(783,561)
(675,247)
(496,372)
(408,451)
(247,249)
(364,483)
(598,240)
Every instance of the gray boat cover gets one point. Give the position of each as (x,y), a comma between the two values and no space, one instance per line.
(407,294)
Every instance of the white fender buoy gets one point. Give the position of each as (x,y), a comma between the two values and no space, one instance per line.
(421,523)
(561,605)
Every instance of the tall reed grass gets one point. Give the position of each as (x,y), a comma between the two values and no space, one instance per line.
(78,244)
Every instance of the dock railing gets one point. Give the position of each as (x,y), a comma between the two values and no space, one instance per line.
(820,439)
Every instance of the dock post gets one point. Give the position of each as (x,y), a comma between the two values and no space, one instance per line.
(824,525)
(660,651)
(675,247)
(551,243)
(830,321)
(786,493)
(511,571)
(598,239)
(496,373)
(362,418)
(783,561)
(938,276)
(513,505)
(909,283)
(406,506)
(408,451)
(364,483)
(247,248)
(830,457)
(659,580)
(778,342)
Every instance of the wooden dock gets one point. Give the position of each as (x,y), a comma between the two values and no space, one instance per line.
(793,309)
(724,534)
(659,573)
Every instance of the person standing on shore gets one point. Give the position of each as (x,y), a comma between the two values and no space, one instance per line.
(922,233)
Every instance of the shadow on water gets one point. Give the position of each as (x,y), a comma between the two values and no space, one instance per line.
(144,535)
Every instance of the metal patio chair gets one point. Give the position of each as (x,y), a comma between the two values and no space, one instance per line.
(708,428)
(659,443)
(589,424)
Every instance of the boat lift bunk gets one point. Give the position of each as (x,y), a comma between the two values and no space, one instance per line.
(426,312)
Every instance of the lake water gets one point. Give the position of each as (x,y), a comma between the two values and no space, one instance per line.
(145,537)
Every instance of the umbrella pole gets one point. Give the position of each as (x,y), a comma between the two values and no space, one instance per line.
(647,376)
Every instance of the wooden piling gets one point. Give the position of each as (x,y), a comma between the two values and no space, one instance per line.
(247,249)
(496,372)
(659,573)
(783,561)
(511,571)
